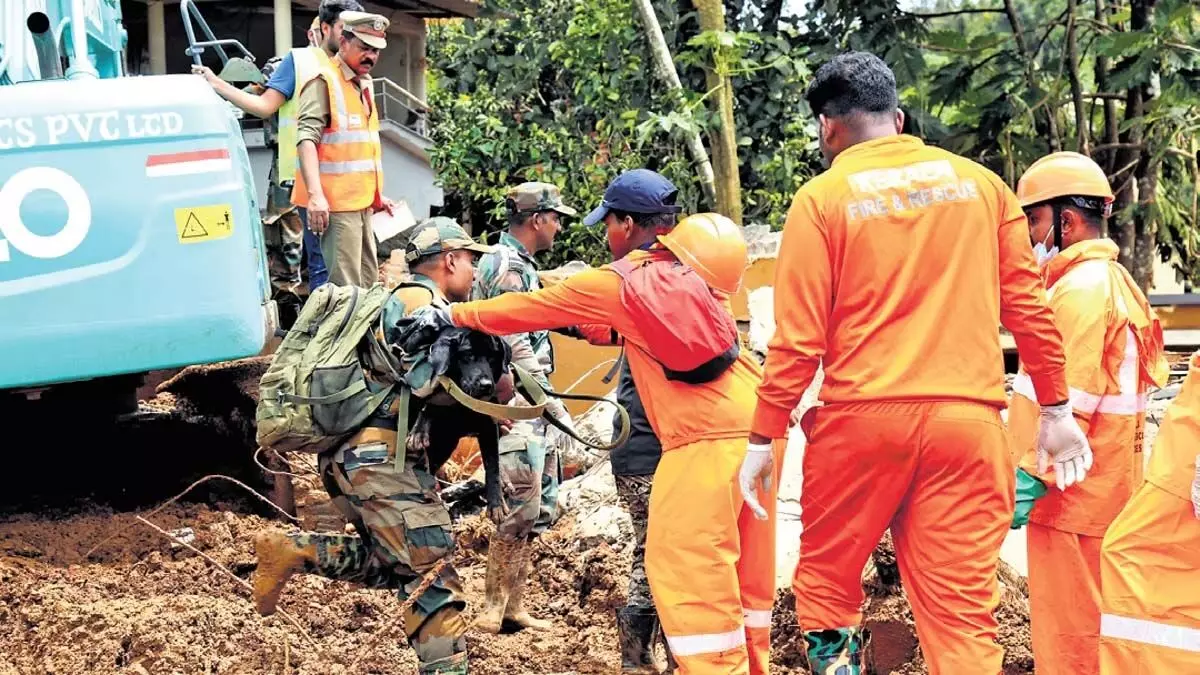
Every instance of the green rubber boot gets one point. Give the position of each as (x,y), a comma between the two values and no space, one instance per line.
(835,651)
(451,665)
(1029,490)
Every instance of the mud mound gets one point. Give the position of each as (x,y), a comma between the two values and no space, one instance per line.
(138,604)
(892,644)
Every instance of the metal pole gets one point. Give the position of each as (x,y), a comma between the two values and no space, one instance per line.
(81,65)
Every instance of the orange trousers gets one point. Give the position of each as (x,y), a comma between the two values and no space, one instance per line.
(940,475)
(710,562)
(1064,600)
(1150,587)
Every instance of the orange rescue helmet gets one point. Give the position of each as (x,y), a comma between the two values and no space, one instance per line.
(1063,174)
(714,246)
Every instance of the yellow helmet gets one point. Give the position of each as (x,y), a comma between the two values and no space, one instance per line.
(1063,174)
(714,246)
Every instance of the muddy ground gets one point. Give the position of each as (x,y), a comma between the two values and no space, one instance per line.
(137,604)
(95,591)
(87,588)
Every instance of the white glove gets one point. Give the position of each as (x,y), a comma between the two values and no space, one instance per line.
(758,468)
(1062,441)
(1196,489)
(556,437)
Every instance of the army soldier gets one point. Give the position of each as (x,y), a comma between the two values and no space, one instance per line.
(283,231)
(404,528)
(529,460)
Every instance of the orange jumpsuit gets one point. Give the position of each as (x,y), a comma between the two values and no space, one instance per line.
(1114,355)
(710,562)
(1150,556)
(895,269)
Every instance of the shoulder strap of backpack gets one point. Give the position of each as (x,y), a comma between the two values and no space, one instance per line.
(405,391)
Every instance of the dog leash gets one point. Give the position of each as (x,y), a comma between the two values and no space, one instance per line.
(538,396)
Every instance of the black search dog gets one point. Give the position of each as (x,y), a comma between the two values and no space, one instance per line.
(475,362)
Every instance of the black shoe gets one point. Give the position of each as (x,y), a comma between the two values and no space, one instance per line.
(637,628)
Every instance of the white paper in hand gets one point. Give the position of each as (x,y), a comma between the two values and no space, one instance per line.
(386,226)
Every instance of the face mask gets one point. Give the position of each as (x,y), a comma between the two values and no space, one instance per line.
(1043,254)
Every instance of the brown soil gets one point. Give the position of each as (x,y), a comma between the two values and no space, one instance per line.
(95,591)
(86,588)
(137,604)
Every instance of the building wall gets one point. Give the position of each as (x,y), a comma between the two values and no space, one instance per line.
(403,61)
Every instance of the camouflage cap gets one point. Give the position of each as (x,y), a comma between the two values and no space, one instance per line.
(533,196)
(438,235)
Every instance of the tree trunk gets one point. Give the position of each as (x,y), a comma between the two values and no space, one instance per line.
(1082,130)
(1046,122)
(1122,228)
(1148,169)
(724,142)
(1146,240)
(666,70)
(1108,161)
(1136,182)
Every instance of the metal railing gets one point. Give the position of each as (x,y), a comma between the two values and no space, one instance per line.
(400,106)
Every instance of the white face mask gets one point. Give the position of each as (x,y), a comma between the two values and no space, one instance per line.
(1043,254)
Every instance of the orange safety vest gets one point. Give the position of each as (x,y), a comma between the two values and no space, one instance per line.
(351,160)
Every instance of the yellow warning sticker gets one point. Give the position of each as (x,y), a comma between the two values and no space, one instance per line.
(195,224)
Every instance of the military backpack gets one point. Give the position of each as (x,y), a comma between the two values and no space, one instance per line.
(315,393)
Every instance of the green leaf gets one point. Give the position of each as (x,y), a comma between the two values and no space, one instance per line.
(950,39)
(1120,43)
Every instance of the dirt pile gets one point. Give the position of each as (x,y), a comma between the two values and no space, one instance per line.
(98,592)
(892,645)
(94,591)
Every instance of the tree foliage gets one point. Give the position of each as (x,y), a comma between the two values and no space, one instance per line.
(563,90)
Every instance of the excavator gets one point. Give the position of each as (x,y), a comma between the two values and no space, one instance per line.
(130,238)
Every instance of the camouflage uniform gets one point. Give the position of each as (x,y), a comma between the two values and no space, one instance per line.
(530,470)
(283,232)
(404,528)
(530,467)
(633,465)
(634,492)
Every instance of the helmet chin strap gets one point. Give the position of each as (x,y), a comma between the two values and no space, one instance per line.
(1056,211)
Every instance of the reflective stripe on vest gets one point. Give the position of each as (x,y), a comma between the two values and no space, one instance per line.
(309,62)
(350,158)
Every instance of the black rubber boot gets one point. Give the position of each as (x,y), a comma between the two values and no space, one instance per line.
(672,664)
(636,629)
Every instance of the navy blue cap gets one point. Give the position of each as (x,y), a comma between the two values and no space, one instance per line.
(636,191)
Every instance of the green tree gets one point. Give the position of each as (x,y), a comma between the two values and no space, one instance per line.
(564,90)
(1006,83)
